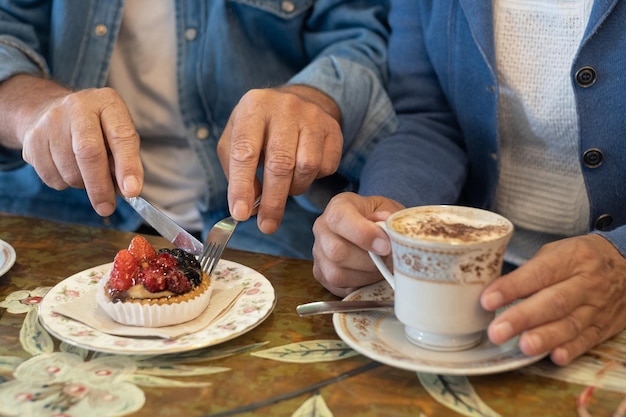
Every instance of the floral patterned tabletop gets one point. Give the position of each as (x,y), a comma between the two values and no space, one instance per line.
(284,365)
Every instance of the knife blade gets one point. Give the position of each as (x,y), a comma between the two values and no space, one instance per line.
(329,307)
(166,227)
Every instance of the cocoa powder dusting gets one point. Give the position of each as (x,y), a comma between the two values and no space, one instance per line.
(436,229)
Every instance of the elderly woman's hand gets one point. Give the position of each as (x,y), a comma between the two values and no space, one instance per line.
(343,235)
(575,298)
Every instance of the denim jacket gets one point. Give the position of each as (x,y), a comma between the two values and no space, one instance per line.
(443,84)
(226,47)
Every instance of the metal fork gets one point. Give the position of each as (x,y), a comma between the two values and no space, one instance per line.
(217,239)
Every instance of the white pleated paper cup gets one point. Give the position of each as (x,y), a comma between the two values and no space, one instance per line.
(175,310)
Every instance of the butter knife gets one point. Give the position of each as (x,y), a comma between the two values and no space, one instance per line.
(329,307)
(166,227)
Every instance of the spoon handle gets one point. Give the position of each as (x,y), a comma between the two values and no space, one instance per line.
(329,307)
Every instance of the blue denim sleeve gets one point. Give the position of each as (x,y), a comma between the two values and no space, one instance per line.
(15,58)
(18,55)
(350,46)
(23,36)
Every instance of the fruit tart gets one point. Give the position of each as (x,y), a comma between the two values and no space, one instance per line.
(152,288)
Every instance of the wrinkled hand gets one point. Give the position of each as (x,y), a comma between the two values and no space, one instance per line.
(576,299)
(343,235)
(78,139)
(294,133)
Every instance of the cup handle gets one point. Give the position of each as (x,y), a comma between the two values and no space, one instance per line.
(380,264)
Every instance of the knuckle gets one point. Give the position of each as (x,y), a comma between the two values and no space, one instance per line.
(327,168)
(292,100)
(73,178)
(89,148)
(317,271)
(88,96)
(122,132)
(308,167)
(106,95)
(57,185)
(51,115)
(543,275)
(331,216)
(319,226)
(596,334)
(575,326)
(243,150)
(559,303)
(74,99)
(53,181)
(107,92)
(223,146)
(335,250)
(333,276)
(588,339)
(254,94)
(280,163)
(27,152)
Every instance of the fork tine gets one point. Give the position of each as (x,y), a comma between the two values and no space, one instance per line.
(210,257)
(207,255)
(214,259)
(202,257)
(217,239)
(218,254)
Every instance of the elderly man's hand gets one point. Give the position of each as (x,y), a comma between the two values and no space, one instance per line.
(294,133)
(83,139)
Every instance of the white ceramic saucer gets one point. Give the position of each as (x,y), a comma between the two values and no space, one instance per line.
(7,257)
(380,336)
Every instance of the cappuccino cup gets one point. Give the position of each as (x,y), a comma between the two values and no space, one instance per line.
(443,257)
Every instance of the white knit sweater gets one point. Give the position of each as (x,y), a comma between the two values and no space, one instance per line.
(541,188)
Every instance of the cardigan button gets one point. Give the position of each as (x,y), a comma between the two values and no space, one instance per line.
(593,157)
(586,77)
(603,223)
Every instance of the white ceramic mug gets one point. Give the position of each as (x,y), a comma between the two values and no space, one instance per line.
(443,258)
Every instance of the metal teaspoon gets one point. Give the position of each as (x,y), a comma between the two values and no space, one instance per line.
(329,307)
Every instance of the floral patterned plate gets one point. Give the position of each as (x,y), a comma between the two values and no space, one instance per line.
(252,307)
(7,257)
(380,336)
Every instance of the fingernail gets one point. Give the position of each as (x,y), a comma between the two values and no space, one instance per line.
(131,185)
(492,300)
(531,344)
(104,209)
(500,332)
(380,246)
(560,356)
(268,226)
(241,210)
